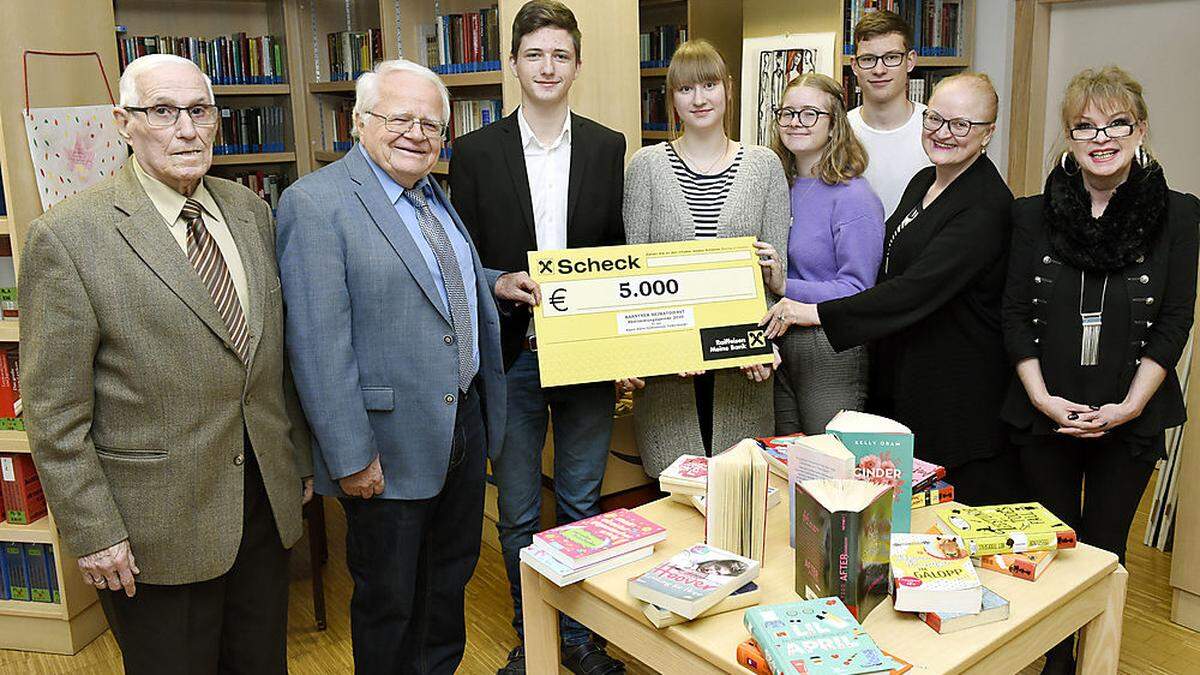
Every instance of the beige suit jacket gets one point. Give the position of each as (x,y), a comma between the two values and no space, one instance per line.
(136,403)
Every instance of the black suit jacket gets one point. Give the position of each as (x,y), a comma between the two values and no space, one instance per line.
(489,188)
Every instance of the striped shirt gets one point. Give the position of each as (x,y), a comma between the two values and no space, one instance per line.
(704,193)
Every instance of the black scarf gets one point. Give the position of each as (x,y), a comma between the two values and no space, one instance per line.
(1127,230)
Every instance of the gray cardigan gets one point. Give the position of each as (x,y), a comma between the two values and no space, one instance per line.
(758,205)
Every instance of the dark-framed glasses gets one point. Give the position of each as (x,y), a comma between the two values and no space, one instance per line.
(404,122)
(163,115)
(959,126)
(890,59)
(1087,132)
(807,117)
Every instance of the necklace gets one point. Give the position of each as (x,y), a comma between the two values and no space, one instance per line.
(690,160)
(1089,347)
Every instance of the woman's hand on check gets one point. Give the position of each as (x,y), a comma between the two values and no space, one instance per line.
(787,313)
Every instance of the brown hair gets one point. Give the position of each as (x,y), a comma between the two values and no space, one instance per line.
(981,83)
(1111,89)
(844,156)
(537,14)
(881,22)
(697,62)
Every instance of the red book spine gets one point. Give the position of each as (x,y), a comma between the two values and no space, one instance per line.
(24,501)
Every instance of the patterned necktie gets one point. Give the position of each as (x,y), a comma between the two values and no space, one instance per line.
(206,259)
(460,315)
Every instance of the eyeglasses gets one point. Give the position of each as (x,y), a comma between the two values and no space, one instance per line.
(959,126)
(403,123)
(807,117)
(890,59)
(163,115)
(1087,132)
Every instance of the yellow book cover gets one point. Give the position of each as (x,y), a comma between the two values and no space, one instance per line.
(1006,528)
(931,572)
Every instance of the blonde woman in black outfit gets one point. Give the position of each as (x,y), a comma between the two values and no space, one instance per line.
(933,318)
(1098,307)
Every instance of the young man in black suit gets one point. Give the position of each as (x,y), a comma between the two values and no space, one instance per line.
(543,178)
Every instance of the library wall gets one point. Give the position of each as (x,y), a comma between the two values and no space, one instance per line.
(1155,40)
(994,26)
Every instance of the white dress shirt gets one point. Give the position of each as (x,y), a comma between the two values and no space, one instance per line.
(169,204)
(549,170)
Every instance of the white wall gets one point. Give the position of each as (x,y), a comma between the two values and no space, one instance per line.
(995,22)
(1157,41)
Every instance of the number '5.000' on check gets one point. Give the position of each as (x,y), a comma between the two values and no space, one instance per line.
(648,309)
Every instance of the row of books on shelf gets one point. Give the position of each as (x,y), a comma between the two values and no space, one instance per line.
(467,115)
(654,108)
(233,59)
(353,52)
(251,130)
(268,186)
(937,24)
(657,45)
(27,573)
(8,275)
(919,88)
(463,43)
(21,490)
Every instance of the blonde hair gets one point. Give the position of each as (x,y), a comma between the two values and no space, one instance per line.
(1111,89)
(697,62)
(844,156)
(981,83)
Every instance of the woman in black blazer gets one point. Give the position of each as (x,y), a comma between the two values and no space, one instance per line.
(1098,308)
(933,318)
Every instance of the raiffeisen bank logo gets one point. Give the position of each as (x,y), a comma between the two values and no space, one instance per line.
(589,265)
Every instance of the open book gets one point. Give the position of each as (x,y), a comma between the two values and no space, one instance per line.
(736,501)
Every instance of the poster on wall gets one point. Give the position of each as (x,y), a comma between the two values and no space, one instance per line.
(768,64)
(72,148)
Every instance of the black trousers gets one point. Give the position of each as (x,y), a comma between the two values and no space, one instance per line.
(236,623)
(411,560)
(991,480)
(1092,484)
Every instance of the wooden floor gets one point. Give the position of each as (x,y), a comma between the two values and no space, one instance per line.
(1152,645)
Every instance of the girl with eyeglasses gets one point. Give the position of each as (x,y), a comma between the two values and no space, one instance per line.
(933,317)
(1098,308)
(834,248)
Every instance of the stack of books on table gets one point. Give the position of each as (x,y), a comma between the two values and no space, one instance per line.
(686,481)
(929,487)
(1019,540)
(699,581)
(585,548)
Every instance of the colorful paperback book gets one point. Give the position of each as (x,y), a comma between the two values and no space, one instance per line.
(932,573)
(939,493)
(688,475)
(1006,528)
(563,575)
(814,458)
(925,473)
(607,535)
(884,449)
(694,580)
(1028,566)
(743,597)
(994,608)
(749,656)
(775,451)
(815,637)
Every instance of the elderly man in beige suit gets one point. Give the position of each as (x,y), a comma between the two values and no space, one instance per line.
(161,414)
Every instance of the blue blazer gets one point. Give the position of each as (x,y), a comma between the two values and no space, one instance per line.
(366,334)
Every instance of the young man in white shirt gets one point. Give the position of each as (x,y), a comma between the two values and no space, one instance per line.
(887,122)
(543,178)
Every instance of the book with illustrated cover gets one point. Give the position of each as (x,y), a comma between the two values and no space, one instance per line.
(1006,528)
(564,575)
(815,637)
(735,517)
(749,656)
(939,493)
(884,450)
(694,580)
(932,573)
(607,535)
(994,608)
(1028,566)
(815,458)
(843,531)
(687,475)
(925,474)
(743,597)
(775,451)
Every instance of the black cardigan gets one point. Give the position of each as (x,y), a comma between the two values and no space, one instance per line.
(1161,288)
(933,318)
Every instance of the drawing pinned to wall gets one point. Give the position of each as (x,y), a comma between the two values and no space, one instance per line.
(72,148)
(768,64)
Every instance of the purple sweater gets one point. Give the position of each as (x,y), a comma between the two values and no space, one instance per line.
(836,241)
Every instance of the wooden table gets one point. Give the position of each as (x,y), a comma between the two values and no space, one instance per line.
(1082,588)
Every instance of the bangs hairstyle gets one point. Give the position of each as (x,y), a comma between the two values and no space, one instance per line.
(881,22)
(981,83)
(1111,89)
(844,156)
(697,62)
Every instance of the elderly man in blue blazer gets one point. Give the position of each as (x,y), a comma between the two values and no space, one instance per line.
(393,337)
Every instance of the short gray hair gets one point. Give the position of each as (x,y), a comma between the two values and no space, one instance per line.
(366,88)
(130,96)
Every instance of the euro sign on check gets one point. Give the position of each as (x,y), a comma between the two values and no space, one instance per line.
(613,312)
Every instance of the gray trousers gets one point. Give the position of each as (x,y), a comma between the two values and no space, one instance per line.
(813,383)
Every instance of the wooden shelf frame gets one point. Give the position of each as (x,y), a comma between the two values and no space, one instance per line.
(254,158)
(251,90)
(39,531)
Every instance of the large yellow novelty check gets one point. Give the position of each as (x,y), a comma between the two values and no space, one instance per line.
(648,309)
